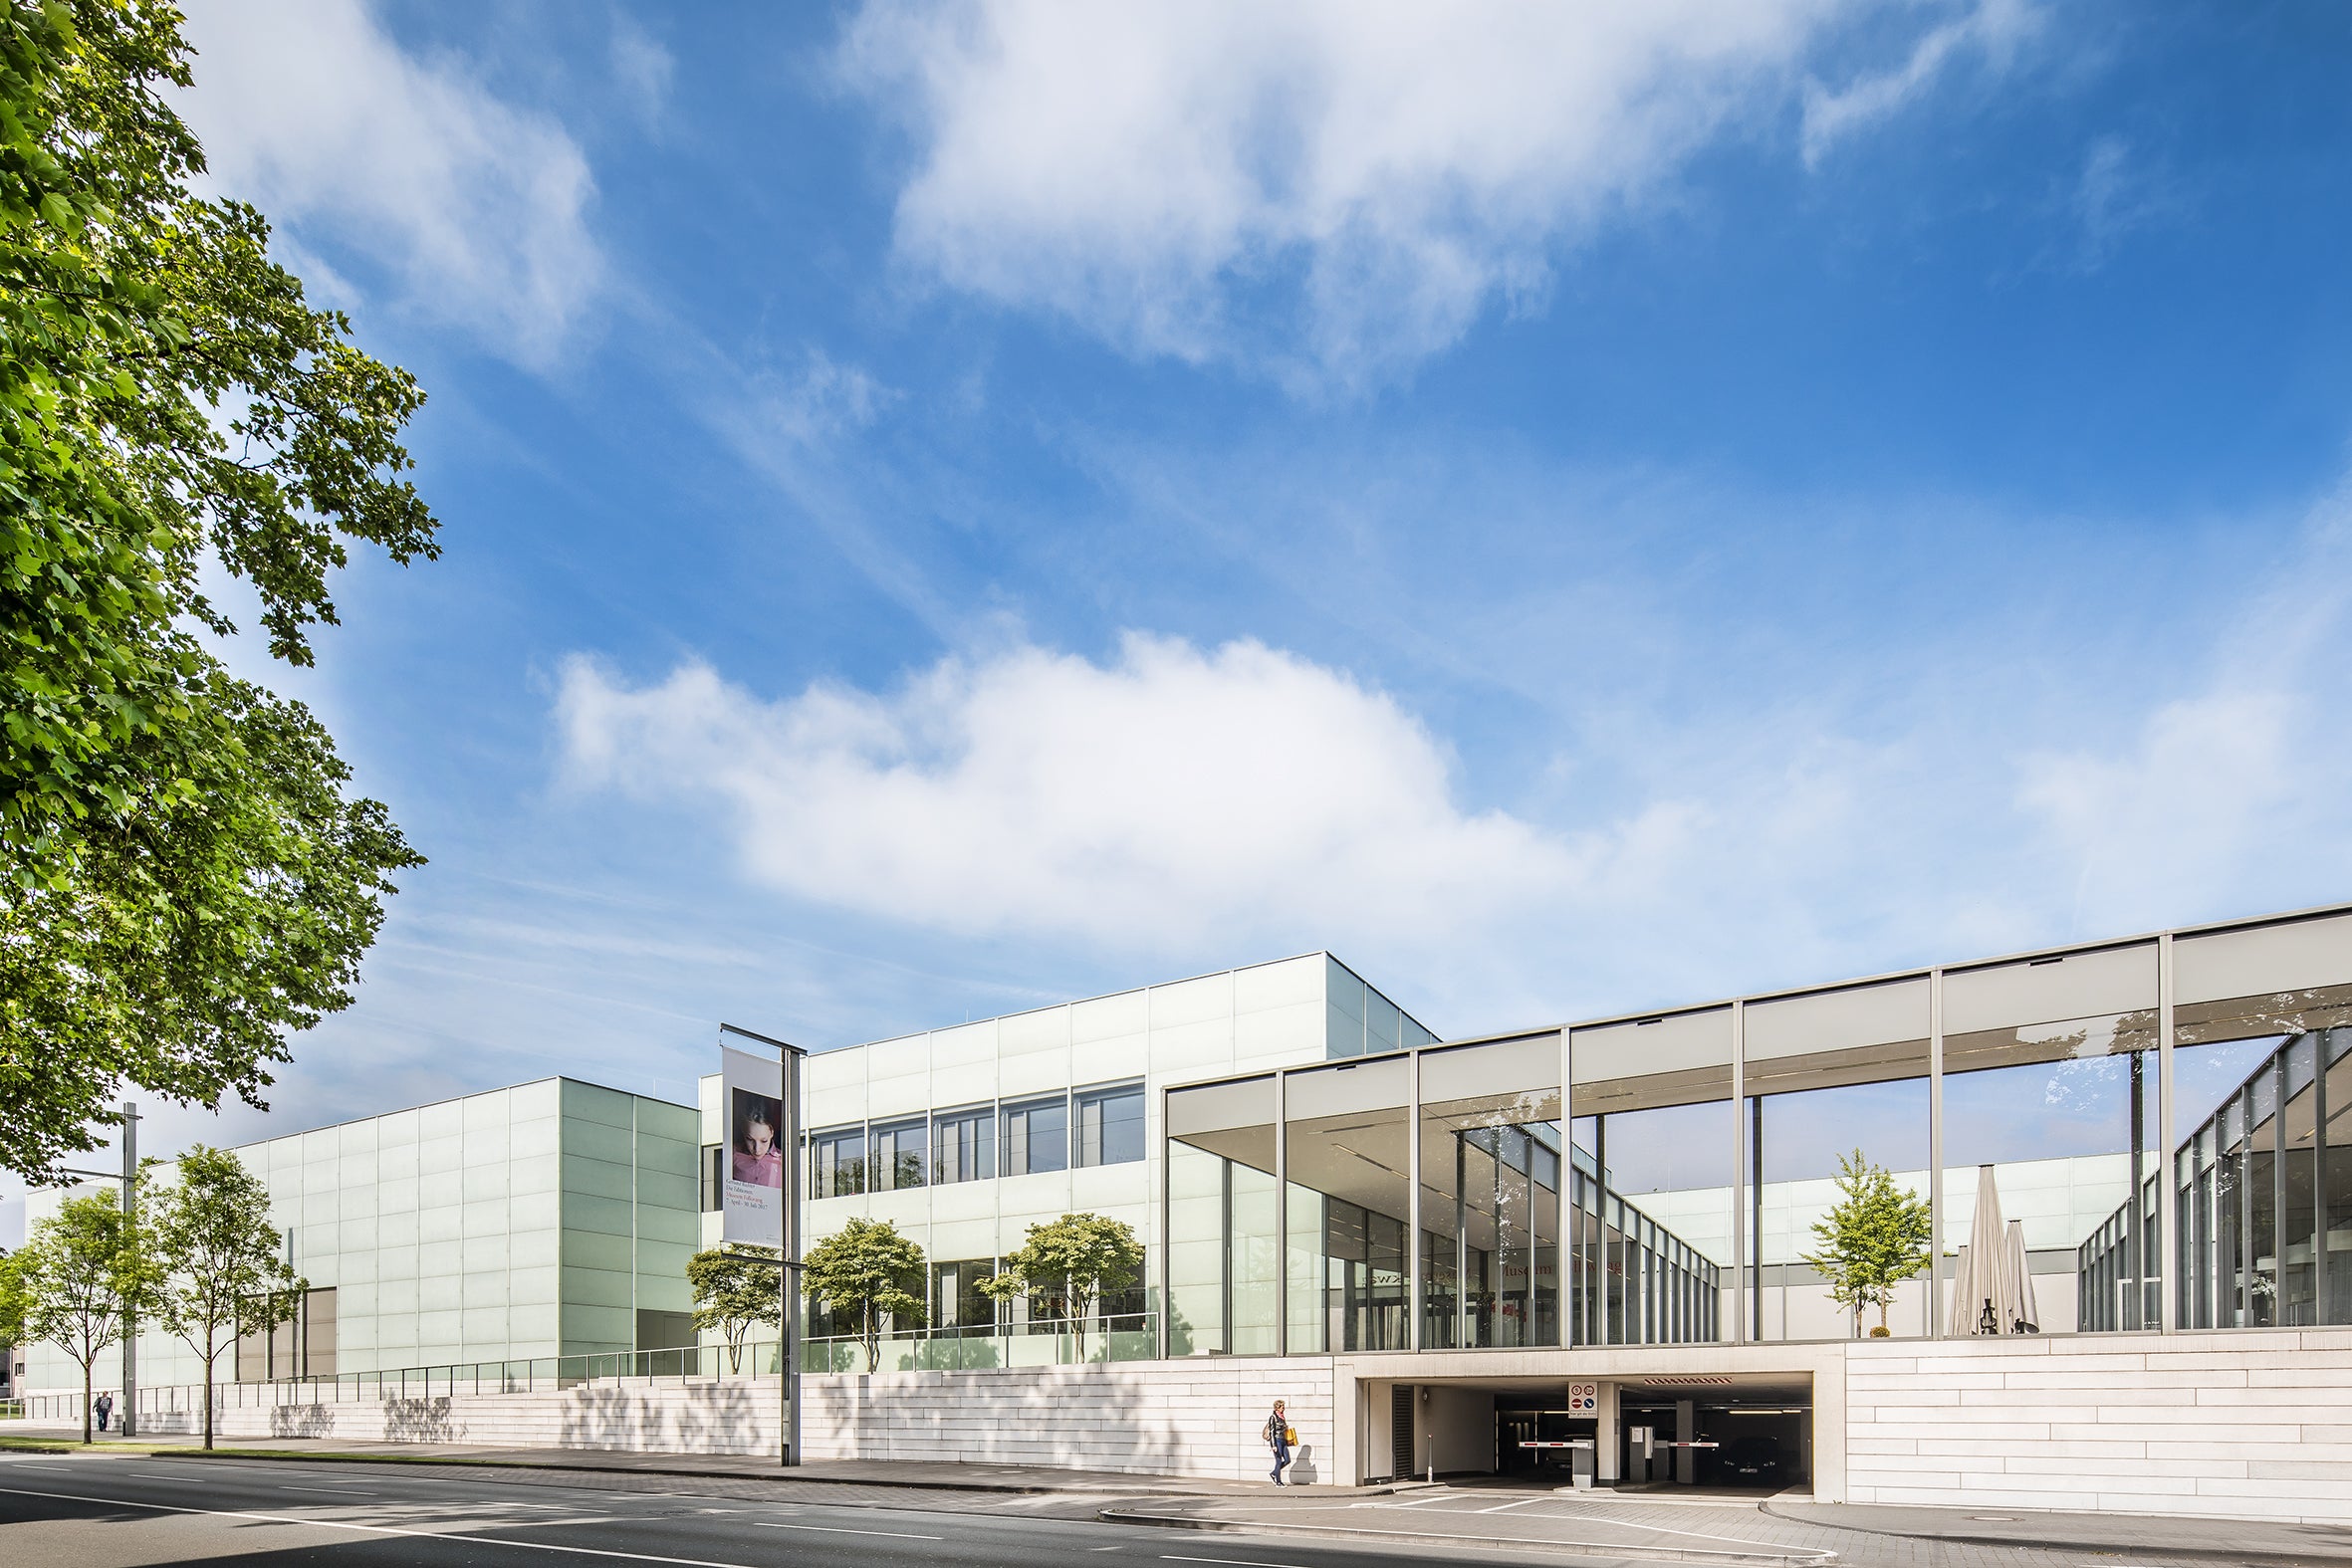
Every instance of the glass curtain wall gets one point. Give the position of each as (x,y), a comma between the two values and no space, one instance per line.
(1347,1150)
(2050,1101)
(1831,1078)
(1222,1253)
(1490,1193)
(2262,1160)
(1655,1127)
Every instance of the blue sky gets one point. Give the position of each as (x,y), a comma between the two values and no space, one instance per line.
(953,509)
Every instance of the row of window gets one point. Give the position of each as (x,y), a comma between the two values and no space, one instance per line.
(1028,1137)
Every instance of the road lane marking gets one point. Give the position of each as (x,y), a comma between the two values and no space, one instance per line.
(327,1492)
(1232,1562)
(375,1530)
(835,1530)
(1508,1507)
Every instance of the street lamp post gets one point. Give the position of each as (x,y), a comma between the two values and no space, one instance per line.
(787,1239)
(129,1176)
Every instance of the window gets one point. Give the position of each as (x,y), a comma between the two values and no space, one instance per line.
(1037,1136)
(837,1165)
(897,1161)
(714,1175)
(1110,1125)
(964,1146)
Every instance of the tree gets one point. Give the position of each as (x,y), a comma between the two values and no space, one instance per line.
(1073,1262)
(73,1283)
(868,1270)
(219,1270)
(733,1289)
(1872,1239)
(183,877)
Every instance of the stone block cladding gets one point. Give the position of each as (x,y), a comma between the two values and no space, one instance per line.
(1167,1417)
(2248,1424)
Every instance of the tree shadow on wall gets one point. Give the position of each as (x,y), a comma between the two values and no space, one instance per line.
(301,1421)
(420,1421)
(725,1418)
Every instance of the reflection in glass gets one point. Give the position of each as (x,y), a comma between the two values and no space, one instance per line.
(2265,1182)
(1652,1257)
(2066,1112)
(1223,1250)
(1347,1161)
(1490,1202)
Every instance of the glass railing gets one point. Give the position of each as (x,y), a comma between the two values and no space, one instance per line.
(1056,1342)
(1059,1342)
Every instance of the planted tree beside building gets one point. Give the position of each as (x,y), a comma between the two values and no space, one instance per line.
(866,1271)
(219,1270)
(75,1283)
(1068,1265)
(735,1289)
(1872,1239)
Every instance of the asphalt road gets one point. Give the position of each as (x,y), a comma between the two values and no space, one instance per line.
(92,1511)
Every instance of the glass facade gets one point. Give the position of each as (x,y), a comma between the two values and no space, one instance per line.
(550,1218)
(2139,1136)
(1413,1201)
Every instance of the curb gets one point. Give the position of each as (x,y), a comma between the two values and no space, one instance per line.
(286,1456)
(2107,1548)
(1806,1558)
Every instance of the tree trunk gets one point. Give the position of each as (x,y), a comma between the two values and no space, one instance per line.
(209,1364)
(86,1398)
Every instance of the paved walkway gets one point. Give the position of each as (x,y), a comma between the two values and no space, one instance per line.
(930,1475)
(1787,1531)
(1755,1533)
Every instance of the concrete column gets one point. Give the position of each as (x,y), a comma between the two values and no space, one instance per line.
(1686,1431)
(1610,1432)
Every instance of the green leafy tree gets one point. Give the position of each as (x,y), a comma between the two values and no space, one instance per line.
(1070,1264)
(868,1271)
(73,1284)
(735,1289)
(219,1270)
(184,878)
(1872,1239)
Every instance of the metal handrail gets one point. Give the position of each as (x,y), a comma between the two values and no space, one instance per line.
(1043,1342)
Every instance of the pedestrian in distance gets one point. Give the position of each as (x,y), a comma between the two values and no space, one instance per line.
(1278,1436)
(104,1408)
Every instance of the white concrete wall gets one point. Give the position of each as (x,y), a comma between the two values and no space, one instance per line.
(1169,1418)
(2234,1426)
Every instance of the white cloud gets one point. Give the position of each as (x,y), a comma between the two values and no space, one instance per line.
(477,207)
(1142,803)
(642,66)
(1334,189)
(1993,29)
(1128,165)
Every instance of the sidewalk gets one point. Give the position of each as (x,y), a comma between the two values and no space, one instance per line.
(1793,1532)
(925,1475)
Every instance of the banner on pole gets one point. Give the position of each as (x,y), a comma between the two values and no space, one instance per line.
(753,1191)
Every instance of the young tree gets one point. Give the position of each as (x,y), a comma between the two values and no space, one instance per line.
(74,1283)
(735,1289)
(1073,1262)
(867,1269)
(184,879)
(1872,1239)
(219,1268)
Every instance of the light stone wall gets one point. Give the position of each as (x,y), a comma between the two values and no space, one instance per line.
(1171,1418)
(2232,1426)
(1166,1418)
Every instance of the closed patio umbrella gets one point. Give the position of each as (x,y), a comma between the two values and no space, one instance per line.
(2018,1310)
(1992,1270)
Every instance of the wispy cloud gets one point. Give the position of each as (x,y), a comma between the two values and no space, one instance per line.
(1331,192)
(643,67)
(474,209)
(1991,31)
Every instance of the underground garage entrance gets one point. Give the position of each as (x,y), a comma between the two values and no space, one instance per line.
(1733,1433)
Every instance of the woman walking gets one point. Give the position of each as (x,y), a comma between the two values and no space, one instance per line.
(1279,1436)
